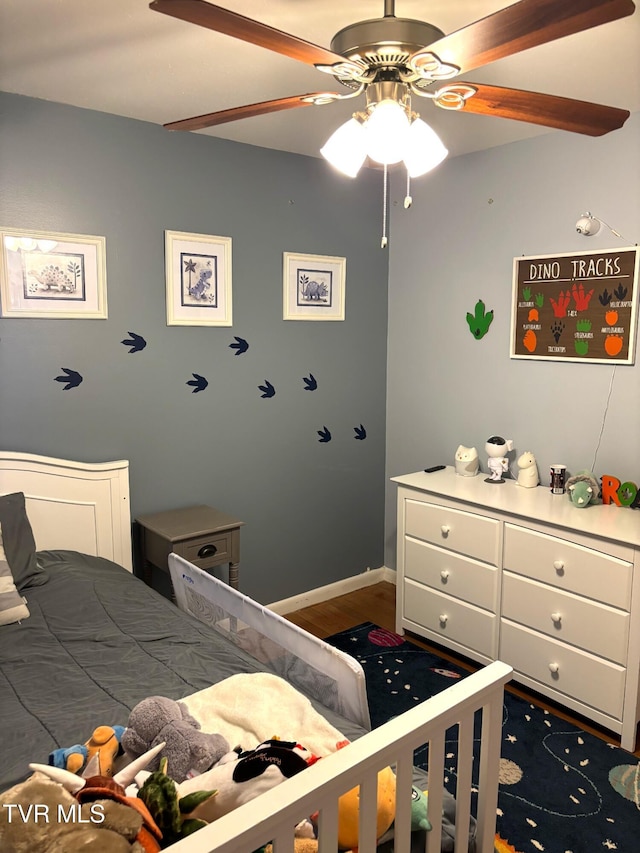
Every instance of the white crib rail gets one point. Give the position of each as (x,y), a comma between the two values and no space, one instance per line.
(273,815)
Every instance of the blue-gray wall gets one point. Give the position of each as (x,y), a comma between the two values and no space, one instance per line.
(456,245)
(313,511)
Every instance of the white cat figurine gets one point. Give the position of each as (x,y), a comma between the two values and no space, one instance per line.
(527,470)
(466,460)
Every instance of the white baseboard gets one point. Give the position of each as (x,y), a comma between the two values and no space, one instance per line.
(332,590)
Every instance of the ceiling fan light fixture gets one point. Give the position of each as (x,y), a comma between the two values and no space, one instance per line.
(346,148)
(387,132)
(424,150)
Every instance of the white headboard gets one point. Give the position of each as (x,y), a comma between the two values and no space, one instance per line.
(75,506)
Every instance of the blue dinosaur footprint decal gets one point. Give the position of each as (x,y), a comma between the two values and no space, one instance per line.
(199,383)
(73,378)
(136,342)
(361,433)
(239,346)
(324,434)
(310,383)
(267,389)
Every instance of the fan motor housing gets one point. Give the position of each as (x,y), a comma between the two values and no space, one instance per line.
(384,41)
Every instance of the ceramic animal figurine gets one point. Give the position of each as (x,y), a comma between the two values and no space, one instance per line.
(496,449)
(466,461)
(527,470)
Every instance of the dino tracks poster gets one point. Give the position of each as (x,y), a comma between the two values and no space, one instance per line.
(572,307)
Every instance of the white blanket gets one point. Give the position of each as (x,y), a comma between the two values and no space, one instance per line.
(250,708)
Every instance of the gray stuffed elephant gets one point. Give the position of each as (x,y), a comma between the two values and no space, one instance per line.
(188,750)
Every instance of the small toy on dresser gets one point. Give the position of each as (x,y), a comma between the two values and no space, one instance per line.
(466,461)
(527,470)
(496,449)
(583,489)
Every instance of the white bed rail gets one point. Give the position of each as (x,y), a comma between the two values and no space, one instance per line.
(334,678)
(273,815)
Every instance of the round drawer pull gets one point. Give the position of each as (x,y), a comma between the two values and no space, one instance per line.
(444,574)
(554,668)
(207,551)
(556,618)
(443,618)
(558,565)
(445,529)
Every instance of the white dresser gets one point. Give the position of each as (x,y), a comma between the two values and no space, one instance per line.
(497,571)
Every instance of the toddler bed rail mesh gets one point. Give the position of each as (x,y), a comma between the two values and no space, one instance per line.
(311,665)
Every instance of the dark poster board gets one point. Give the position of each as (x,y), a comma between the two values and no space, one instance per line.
(576,307)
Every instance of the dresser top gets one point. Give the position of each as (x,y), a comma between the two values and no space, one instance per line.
(620,524)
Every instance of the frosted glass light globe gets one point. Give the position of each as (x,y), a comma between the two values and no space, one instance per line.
(346,148)
(424,149)
(387,131)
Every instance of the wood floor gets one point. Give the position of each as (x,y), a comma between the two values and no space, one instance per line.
(377,603)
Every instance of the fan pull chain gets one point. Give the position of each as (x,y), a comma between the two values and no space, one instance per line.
(384,241)
(408,201)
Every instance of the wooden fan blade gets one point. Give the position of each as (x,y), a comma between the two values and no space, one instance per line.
(248,111)
(521,26)
(231,24)
(547,110)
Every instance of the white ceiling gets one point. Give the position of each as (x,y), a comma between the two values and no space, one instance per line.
(119,57)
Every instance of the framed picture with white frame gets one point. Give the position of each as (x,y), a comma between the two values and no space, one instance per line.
(52,275)
(313,287)
(198,278)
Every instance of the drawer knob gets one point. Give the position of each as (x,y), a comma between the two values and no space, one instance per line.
(207,551)
(443,618)
(554,668)
(556,618)
(445,529)
(558,565)
(444,574)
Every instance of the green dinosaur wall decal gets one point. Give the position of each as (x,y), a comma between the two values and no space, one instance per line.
(479,321)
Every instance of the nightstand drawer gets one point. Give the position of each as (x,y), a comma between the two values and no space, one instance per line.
(563,616)
(464,532)
(567,565)
(450,619)
(451,573)
(206,551)
(583,676)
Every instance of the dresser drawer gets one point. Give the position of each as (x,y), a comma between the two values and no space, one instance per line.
(578,621)
(206,551)
(566,565)
(451,573)
(589,679)
(464,532)
(450,619)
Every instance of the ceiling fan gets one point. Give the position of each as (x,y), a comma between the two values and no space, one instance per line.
(394,58)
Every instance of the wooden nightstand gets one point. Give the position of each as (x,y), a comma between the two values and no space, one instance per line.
(203,535)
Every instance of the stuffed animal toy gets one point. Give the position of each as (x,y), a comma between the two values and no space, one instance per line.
(237,779)
(583,489)
(90,795)
(104,826)
(171,813)
(419,819)
(103,743)
(349,810)
(189,751)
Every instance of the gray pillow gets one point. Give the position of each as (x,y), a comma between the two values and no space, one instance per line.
(19,544)
(13,607)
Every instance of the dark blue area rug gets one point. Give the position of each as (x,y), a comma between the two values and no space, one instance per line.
(562,790)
